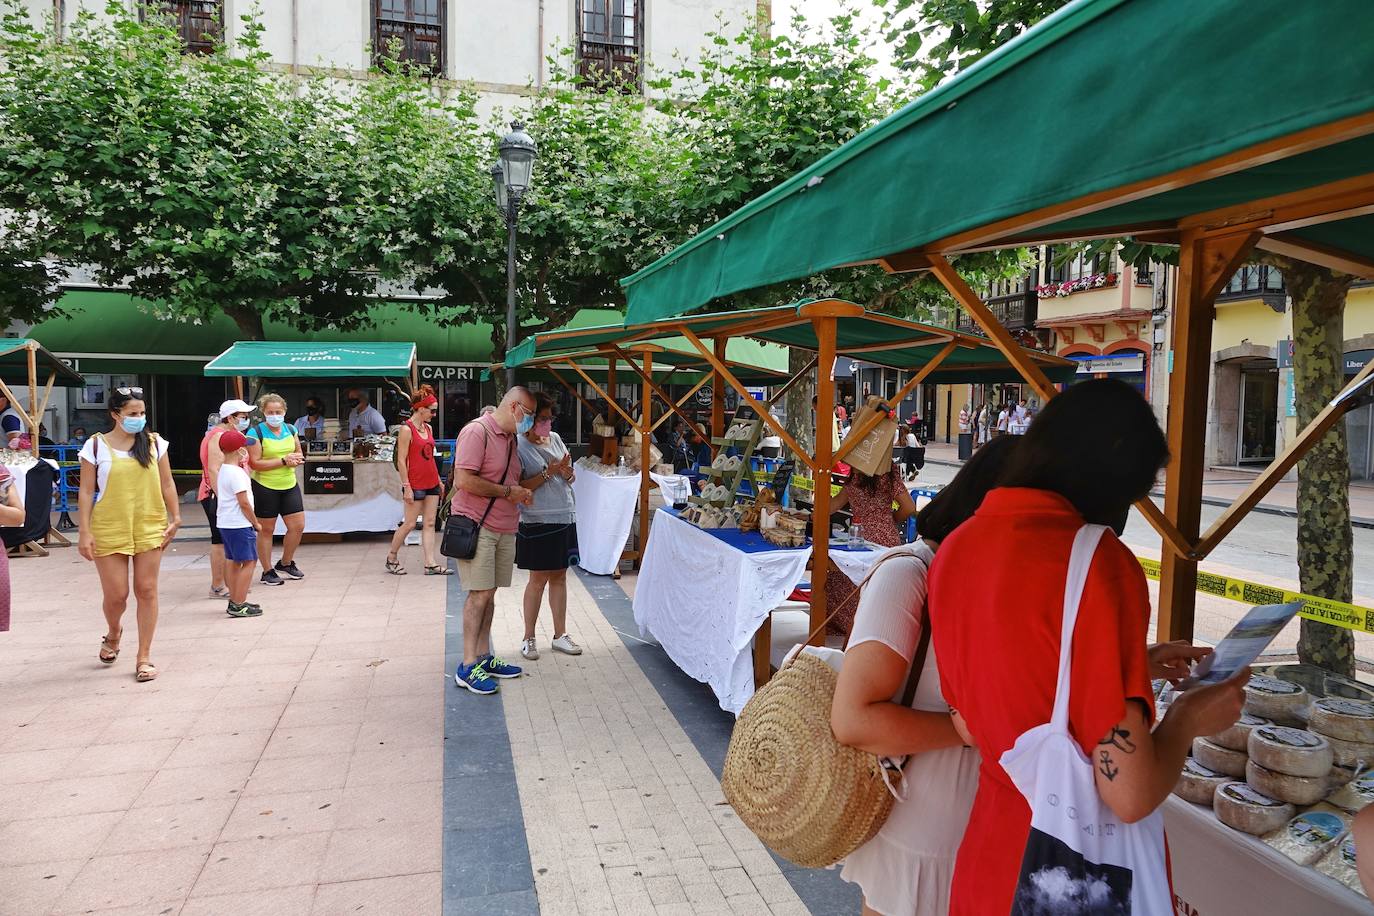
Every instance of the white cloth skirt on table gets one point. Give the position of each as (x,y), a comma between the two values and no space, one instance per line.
(907,867)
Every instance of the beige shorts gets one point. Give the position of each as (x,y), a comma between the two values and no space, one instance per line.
(490,567)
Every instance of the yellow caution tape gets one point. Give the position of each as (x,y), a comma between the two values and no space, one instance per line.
(1336,613)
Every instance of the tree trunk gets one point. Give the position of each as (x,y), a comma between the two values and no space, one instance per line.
(797,402)
(1325,549)
(248,320)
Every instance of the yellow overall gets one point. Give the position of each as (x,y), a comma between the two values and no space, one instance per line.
(130,517)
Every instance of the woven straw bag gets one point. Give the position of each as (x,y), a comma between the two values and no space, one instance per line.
(809,798)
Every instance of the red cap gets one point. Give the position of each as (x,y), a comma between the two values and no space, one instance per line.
(232,441)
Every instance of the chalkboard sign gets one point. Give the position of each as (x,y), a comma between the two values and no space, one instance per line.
(782,477)
(328,478)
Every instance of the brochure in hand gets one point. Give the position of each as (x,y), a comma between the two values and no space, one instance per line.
(1245,643)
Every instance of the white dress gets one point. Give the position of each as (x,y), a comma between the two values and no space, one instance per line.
(908,866)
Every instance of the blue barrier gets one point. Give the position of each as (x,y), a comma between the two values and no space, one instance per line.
(68,481)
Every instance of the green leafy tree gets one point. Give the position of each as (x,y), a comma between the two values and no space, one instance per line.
(934,39)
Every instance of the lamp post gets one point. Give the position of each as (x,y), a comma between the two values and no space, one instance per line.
(510,180)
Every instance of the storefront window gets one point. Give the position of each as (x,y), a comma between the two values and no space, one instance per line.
(1259,404)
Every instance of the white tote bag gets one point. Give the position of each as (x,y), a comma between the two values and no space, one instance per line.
(1079,858)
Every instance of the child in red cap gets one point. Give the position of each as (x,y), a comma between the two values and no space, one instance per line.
(238,524)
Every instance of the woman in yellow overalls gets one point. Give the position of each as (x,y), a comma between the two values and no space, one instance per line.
(128,512)
(274,451)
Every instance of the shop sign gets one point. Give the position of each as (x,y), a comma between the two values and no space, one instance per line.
(1356,360)
(449,373)
(328,478)
(1134,362)
(1285,348)
(704,396)
(1291,392)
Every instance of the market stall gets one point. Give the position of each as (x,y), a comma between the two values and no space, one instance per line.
(25,363)
(350,484)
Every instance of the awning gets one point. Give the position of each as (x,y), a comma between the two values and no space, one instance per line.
(278,359)
(1096,145)
(14,364)
(874,337)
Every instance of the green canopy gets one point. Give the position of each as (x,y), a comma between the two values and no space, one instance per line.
(873,337)
(1109,118)
(14,365)
(278,359)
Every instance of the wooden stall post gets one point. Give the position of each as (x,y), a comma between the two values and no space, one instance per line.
(646,429)
(611,365)
(718,390)
(32,354)
(1206,262)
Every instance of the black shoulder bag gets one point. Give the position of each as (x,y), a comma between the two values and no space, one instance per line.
(460,532)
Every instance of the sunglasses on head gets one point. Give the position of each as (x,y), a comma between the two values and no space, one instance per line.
(132,391)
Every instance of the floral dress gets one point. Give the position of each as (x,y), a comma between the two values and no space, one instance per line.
(871,509)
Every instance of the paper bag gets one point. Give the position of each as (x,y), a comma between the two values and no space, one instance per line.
(873,455)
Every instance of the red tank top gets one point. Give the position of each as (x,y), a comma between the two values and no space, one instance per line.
(421,471)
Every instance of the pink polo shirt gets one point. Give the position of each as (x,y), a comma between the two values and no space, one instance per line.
(483,447)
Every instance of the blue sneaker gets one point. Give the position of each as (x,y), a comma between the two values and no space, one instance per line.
(474,678)
(497,667)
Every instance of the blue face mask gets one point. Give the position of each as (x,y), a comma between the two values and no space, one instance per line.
(133,425)
(526,423)
(274,420)
(242,423)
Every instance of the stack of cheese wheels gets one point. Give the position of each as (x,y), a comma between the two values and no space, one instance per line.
(1240,807)
(1290,764)
(1271,698)
(1237,737)
(1197,783)
(1348,725)
(1221,759)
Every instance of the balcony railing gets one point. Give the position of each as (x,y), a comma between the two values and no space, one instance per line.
(413,42)
(1015,310)
(1255,281)
(609,65)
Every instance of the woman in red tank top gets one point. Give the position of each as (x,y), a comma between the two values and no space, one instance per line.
(421,487)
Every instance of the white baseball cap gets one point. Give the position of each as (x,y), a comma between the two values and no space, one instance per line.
(233,406)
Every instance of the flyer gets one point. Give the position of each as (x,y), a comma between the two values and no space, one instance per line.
(1247,640)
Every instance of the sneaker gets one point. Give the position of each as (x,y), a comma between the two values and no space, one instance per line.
(291,569)
(566,645)
(221,591)
(271,578)
(243,610)
(497,667)
(529,650)
(475,679)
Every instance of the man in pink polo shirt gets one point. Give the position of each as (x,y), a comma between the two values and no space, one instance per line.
(486,480)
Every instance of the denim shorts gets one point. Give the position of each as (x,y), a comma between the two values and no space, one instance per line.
(240,544)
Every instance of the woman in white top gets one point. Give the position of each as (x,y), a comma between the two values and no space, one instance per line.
(906,869)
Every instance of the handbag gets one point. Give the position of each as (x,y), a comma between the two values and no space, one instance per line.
(460,535)
(1079,855)
(807,797)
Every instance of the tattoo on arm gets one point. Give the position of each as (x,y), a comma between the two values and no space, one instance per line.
(1119,738)
(1106,767)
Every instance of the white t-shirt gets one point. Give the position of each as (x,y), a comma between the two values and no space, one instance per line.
(102,456)
(911,440)
(1002,421)
(369,418)
(233,480)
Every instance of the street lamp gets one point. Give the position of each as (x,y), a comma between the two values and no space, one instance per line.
(510,180)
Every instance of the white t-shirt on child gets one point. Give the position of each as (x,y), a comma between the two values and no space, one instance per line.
(233,480)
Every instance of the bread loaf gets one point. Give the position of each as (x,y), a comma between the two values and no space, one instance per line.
(1292,751)
(1271,698)
(1218,758)
(1242,808)
(1296,790)
(1237,737)
(1345,719)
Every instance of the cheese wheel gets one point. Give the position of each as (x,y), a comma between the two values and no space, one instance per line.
(1352,754)
(1339,863)
(1347,720)
(1272,698)
(1237,737)
(1242,808)
(1197,783)
(1292,751)
(1355,795)
(1296,790)
(1218,758)
(1307,837)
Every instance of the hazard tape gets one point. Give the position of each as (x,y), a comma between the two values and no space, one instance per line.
(1336,613)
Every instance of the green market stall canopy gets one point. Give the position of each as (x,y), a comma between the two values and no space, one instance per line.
(278,359)
(884,340)
(14,365)
(1191,132)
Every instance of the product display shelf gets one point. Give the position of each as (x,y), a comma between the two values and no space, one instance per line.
(732,479)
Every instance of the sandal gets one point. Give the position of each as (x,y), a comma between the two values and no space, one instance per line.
(146,671)
(438,571)
(394,567)
(113,650)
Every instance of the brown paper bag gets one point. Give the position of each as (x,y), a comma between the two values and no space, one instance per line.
(873,455)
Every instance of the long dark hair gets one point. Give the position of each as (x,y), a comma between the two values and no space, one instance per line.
(961,497)
(1098,445)
(866,482)
(143,441)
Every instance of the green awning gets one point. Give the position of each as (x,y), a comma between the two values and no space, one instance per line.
(873,337)
(14,365)
(278,359)
(1127,115)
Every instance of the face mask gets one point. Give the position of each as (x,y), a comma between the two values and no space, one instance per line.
(312,410)
(543,428)
(354,402)
(242,424)
(526,422)
(133,425)
(274,420)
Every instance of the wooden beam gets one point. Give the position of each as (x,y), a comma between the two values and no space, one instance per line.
(999,335)
(1316,253)
(904,262)
(646,400)
(763,652)
(824,325)
(1290,210)
(575,393)
(32,359)
(781,392)
(652,388)
(1321,424)
(47,394)
(705,377)
(599,390)
(1206,263)
(857,434)
(743,392)
(718,387)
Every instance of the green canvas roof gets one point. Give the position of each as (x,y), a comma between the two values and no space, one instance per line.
(14,365)
(280,359)
(873,337)
(1111,117)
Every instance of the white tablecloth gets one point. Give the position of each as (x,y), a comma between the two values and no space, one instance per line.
(1218,871)
(676,488)
(704,600)
(605,509)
